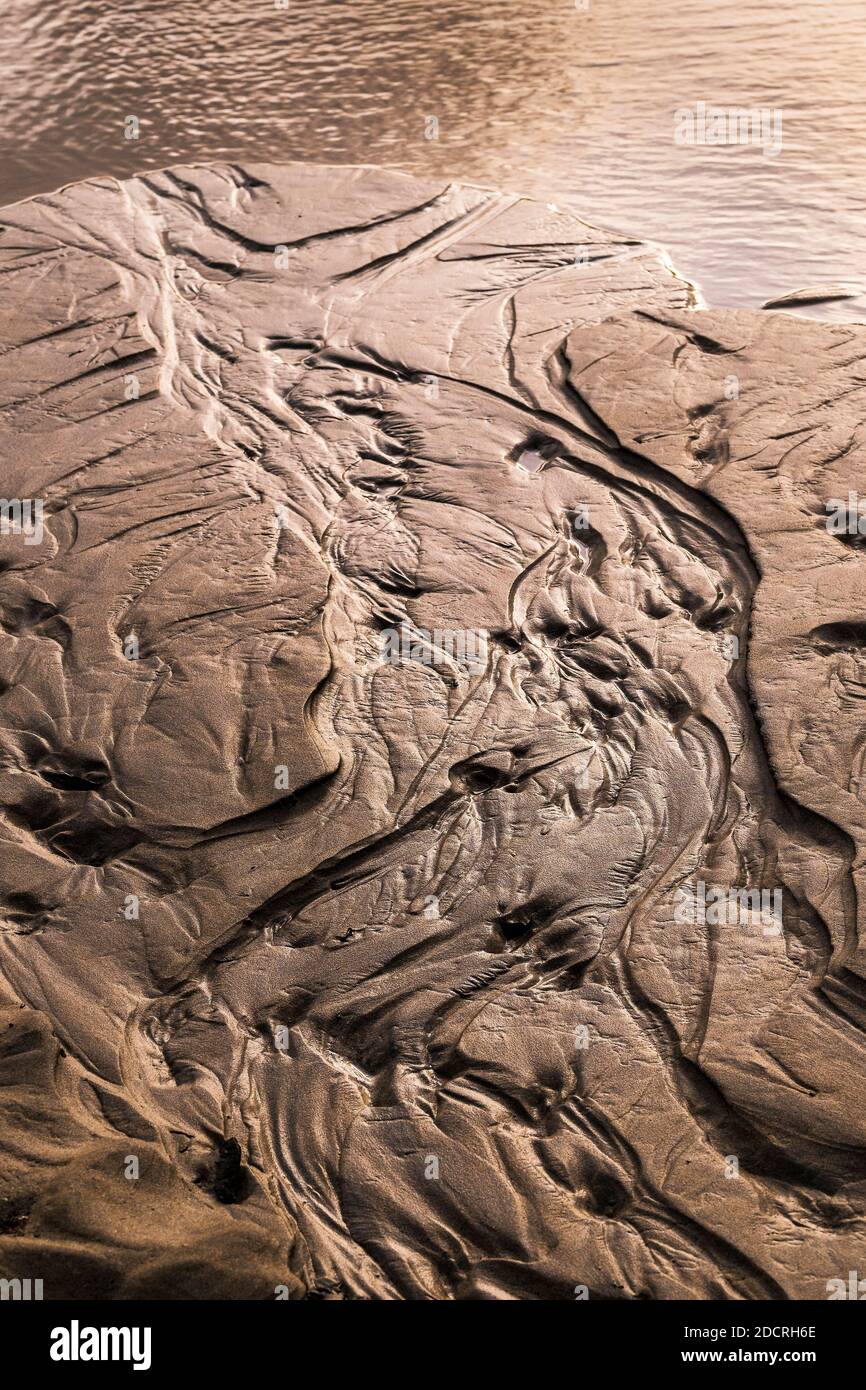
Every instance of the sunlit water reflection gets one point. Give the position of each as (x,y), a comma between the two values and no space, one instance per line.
(533,95)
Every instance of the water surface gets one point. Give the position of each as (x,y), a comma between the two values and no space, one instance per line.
(534,95)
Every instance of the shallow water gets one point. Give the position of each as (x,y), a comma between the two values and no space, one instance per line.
(535,95)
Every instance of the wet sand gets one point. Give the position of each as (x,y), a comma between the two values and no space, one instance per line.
(336,962)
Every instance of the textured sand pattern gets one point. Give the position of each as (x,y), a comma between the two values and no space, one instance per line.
(376,968)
